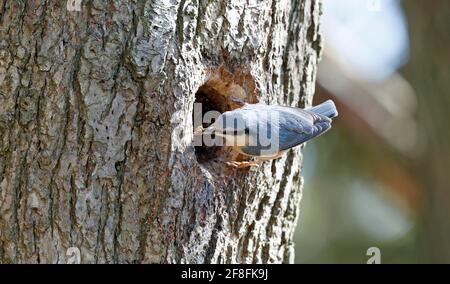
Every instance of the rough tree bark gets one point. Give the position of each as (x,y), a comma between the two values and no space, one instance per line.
(96,128)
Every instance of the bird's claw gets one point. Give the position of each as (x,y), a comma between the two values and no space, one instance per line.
(239,165)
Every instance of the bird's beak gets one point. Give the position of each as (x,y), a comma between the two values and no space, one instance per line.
(199,131)
(210,130)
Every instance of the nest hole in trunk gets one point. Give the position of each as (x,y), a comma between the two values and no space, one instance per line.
(221,92)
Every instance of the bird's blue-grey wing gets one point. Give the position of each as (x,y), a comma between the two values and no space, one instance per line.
(297,126)
(292,126)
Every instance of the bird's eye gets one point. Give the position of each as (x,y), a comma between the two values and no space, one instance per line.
(236,131)
(230,131)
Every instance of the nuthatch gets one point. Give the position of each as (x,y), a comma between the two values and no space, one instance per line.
(267,131)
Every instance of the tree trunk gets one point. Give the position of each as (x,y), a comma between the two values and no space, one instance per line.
(96,102)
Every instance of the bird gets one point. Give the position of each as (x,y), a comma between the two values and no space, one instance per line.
(266,132)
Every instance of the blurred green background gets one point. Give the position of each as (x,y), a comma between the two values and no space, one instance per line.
(381,177)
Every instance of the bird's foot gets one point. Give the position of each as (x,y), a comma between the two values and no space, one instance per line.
(239,165)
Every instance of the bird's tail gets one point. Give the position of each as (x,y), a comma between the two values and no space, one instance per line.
(326,108)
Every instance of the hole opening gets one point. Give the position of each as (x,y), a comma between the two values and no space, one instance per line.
(210,100)
(222,92)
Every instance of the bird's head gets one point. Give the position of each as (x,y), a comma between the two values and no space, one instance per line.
(231,126)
